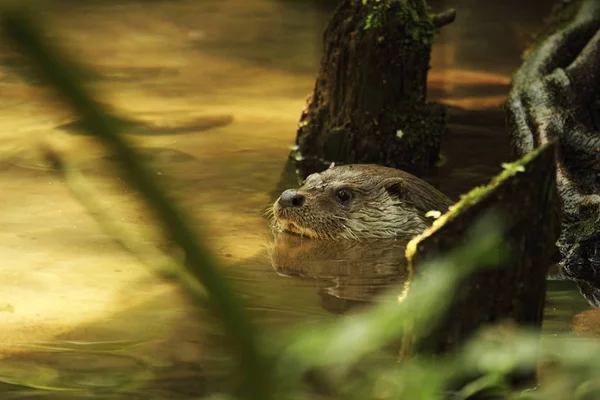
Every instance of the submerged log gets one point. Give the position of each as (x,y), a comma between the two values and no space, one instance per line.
(523,196)
(556,95)
(369,102)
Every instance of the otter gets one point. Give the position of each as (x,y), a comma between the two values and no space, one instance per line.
(359,201)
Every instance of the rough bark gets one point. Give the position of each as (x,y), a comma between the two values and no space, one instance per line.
(369,102)
(555,96)
(523,196)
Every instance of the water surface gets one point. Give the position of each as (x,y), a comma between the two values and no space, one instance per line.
(211,91)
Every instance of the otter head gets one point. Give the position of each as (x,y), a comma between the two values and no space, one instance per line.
(358,202)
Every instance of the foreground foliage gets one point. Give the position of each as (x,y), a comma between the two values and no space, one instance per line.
(344,358)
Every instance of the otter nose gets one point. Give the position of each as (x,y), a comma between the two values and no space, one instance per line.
(291,198)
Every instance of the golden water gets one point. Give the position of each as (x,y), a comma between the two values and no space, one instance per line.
(231,76)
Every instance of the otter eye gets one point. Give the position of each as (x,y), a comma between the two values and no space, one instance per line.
(343,196)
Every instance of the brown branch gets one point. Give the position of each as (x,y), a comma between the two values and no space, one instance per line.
(445,18)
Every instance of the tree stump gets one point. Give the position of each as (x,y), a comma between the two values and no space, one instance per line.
(369,102)
(556,95)
(523,196)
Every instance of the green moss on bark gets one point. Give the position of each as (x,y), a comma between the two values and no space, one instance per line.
(419,27)
(472,197)
(376,16)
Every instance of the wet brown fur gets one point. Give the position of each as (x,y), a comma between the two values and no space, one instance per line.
(386,203)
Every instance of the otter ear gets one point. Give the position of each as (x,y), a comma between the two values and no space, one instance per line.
(396,188)
(417,193)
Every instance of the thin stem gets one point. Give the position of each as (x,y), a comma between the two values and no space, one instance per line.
(18,27)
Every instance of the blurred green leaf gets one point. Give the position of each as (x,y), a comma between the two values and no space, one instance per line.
(19,28)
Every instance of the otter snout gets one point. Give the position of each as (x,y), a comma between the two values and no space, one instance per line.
(291,199)
(290,210)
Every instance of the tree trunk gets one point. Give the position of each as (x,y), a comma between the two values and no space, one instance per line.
(523,196)
(556,95)
(369,102)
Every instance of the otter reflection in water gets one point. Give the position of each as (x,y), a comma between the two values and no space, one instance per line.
(358,202)
(349,272)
